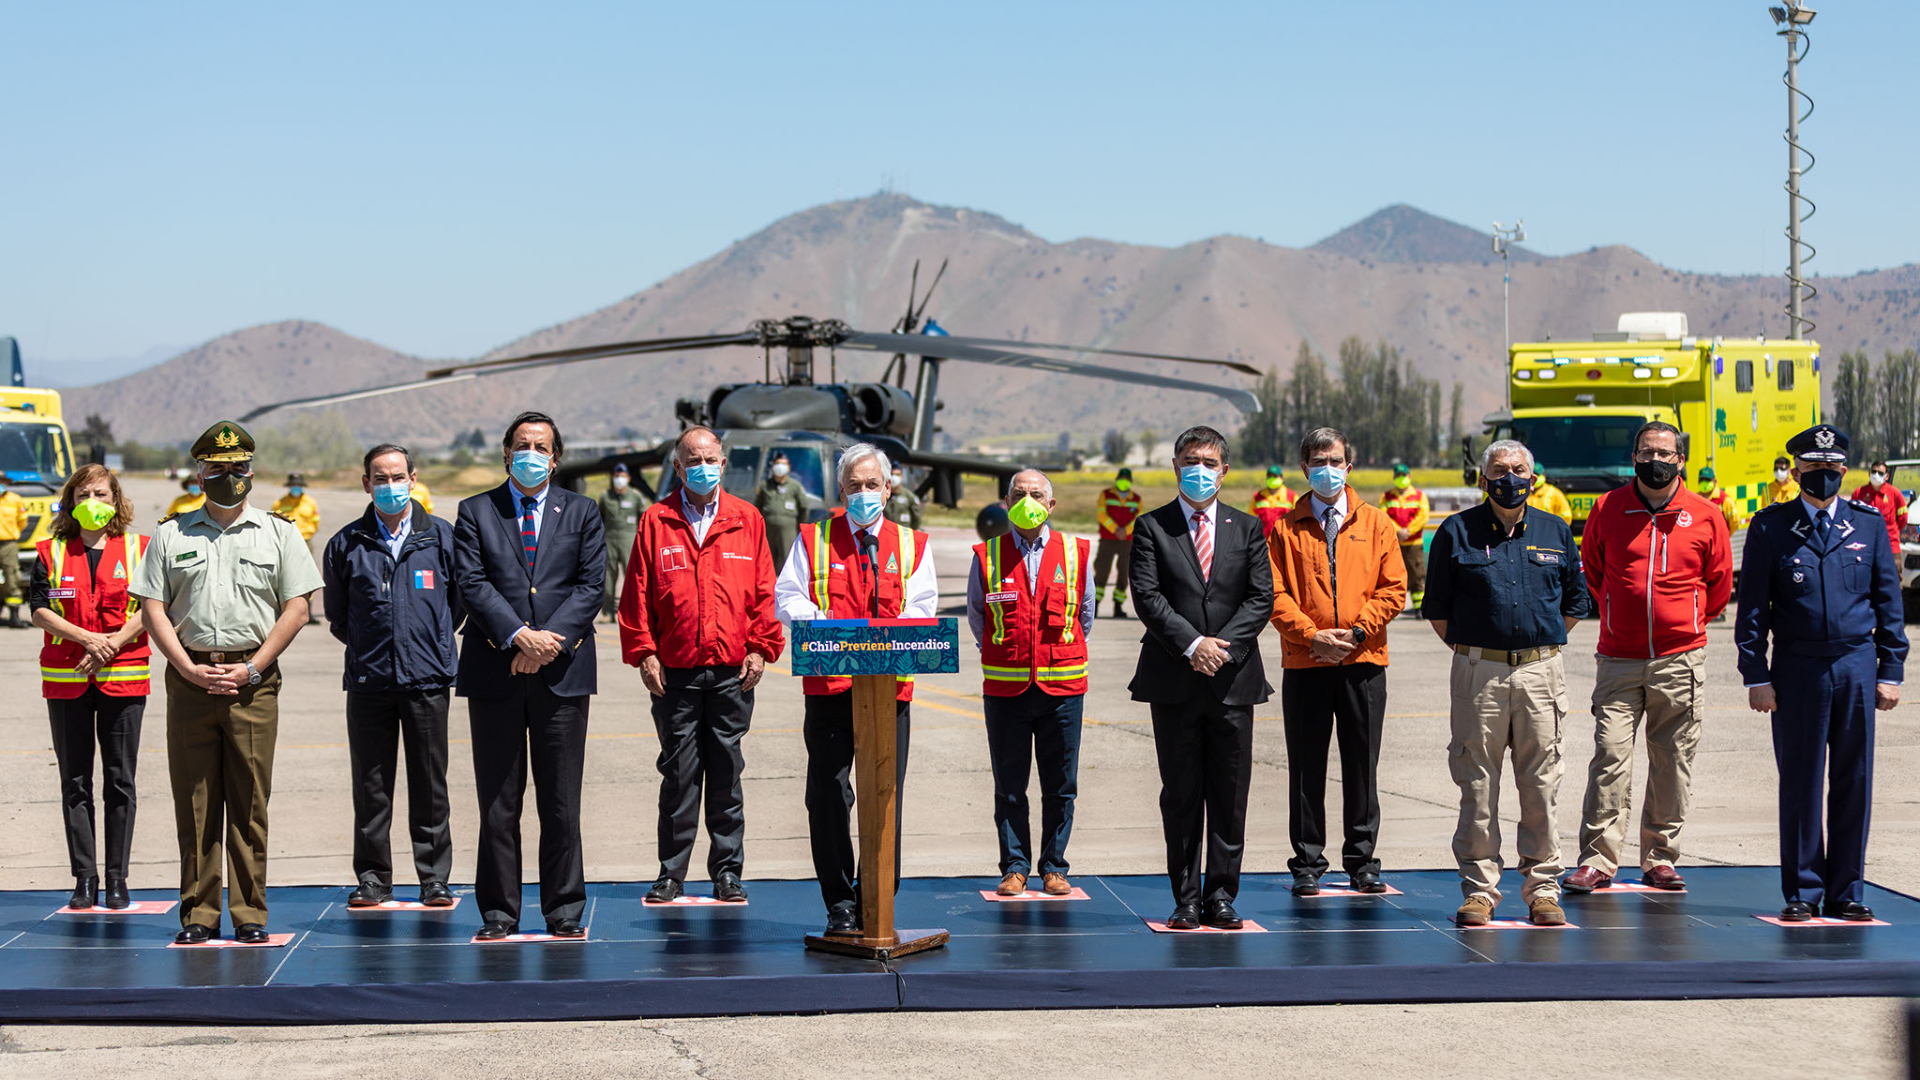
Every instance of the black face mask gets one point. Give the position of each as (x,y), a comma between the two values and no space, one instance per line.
(226,490)
(1510,492)
(1822,484)
(1656,474)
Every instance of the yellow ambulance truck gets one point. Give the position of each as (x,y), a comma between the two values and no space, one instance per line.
(36,455)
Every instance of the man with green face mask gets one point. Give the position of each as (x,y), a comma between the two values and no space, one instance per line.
(1119,505)
(1408,507)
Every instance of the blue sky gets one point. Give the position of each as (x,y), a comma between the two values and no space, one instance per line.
(442,178)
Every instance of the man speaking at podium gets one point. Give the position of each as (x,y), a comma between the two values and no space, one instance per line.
(856,566)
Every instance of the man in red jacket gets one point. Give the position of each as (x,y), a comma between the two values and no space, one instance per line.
(696,617)
(1659,563)
(1880,494)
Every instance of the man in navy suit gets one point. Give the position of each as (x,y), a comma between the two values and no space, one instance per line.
(530,561)
(1203,588)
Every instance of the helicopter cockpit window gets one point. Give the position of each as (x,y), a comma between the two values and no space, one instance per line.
(807,469)
(743,471)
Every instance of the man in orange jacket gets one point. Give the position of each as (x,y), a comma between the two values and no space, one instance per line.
(696,617)
(1337,582)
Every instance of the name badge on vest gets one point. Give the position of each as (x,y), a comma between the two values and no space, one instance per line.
(1002,597)
(423,579)
(62,594)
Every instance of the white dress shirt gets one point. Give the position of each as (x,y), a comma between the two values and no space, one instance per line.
(793,589)
(1187,510)
(1338,506)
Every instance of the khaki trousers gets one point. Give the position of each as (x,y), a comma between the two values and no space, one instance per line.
(1666,692)
(220,758)
(619,546)
(1497,710)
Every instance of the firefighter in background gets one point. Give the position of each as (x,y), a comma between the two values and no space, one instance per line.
(1710,489)
(1783,488)
(1117,508)
(421,495)
(189,500)
(1408,507)
(298,507)
(1272,502)
(1886,498)
(1548,498)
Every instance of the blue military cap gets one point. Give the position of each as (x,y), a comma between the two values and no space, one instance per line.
(1821,442)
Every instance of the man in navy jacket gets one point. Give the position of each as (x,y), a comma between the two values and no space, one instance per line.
(530,561)
(390,599)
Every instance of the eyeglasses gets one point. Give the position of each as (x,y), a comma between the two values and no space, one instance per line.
(1650,454)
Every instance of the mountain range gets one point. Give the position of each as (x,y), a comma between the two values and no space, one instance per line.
(1427,285)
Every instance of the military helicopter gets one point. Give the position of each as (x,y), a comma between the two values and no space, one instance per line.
(809,421)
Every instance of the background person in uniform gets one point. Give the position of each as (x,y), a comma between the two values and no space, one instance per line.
(13,524)
(530,560)
(1709,489)
(696,617)
(1203,588)
(421,495)
(190,497)
(298,507)
(1816,581)
(1273,499)
(1408,508)
(1503,588)
(226,588)
(857,565)
(93,670)
(903,506)
(1337,584)
(1547,497)
(620,509)
(391,601)
(1783,488)
(782,503)
(1030,607)
(1659,566)
(1115,512)
(1886,498)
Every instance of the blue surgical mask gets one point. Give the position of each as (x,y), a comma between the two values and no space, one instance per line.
(1328,481)
(864,507)
(1198,483)
(704,478)
(530,467)
(193,489)
(296,491)
(392,498)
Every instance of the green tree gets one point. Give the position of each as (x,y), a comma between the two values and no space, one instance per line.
(1263,437)
(1853,401)
(1897,396)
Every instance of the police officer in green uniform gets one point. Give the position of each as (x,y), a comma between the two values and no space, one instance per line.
(903,506)
(783,502)
(620,507)
(226,588)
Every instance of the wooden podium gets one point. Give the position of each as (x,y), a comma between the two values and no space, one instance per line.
(875,653)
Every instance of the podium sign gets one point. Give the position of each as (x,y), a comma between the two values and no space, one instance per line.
(875,653)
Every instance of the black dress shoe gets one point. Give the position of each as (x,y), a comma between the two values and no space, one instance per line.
(194,934)
(727,888)
(1367,881)
(85,890)
(370,894)
(250,933)
(1184,917)
(436,894)
(1306,884)
(664,891)
(567,928)
(114,898)
(842,919)
(1850,910)
(1796,911)
(1221,916)
(495,930)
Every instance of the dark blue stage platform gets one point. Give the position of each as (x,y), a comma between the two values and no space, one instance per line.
(711,959)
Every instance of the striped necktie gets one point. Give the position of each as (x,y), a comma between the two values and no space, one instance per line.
(1203,543)
(529,537)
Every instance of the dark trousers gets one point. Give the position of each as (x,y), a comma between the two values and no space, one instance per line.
(828,731)
(1206,763)
(114,722)
(1350,701)
(1034,724)
(531,724)
(377,722)
(700,721)
(1823,738)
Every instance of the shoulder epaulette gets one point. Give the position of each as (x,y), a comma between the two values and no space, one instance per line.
(169,517)
(1867,506)
(283,516)
(1771,507)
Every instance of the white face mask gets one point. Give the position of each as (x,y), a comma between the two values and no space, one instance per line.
(619,483)
(1877,478)
(779,470)
(1782,475)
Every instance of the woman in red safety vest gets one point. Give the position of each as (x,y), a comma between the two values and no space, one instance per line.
(93,670)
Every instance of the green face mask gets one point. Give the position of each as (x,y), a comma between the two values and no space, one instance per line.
(1028,513)
(1403,482)
(1122,486)
(93,515)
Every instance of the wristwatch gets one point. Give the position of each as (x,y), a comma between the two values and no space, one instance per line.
(1359,636)
(253,674)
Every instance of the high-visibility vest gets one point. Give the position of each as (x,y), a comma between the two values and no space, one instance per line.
(1405,508)
(1115,512)
(1272,504)
(97,603)
(837,582)
(1033,634)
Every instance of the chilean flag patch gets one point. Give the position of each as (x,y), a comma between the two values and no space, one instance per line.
(423,579)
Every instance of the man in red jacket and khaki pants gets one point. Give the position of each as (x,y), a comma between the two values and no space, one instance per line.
(1659,563)
(696,617)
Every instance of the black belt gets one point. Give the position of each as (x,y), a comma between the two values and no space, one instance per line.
(222,656)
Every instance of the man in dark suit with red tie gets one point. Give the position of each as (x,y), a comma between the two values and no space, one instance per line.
(530,562)
(1203,588)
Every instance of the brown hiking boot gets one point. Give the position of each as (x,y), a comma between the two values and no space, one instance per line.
(1055,884)
(1477,911)
(1544,910)
(1012,885)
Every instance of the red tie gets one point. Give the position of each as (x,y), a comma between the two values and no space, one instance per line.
(1203,543)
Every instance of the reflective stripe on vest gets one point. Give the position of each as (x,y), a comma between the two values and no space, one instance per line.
(134,672)
(1072,560)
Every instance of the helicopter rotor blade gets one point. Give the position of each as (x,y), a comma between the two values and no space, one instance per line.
(915,321)
(353,395)
(994,343)
(905,323)
(947,348)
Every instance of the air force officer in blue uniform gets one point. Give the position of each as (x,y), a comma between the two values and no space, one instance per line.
(1818,577)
